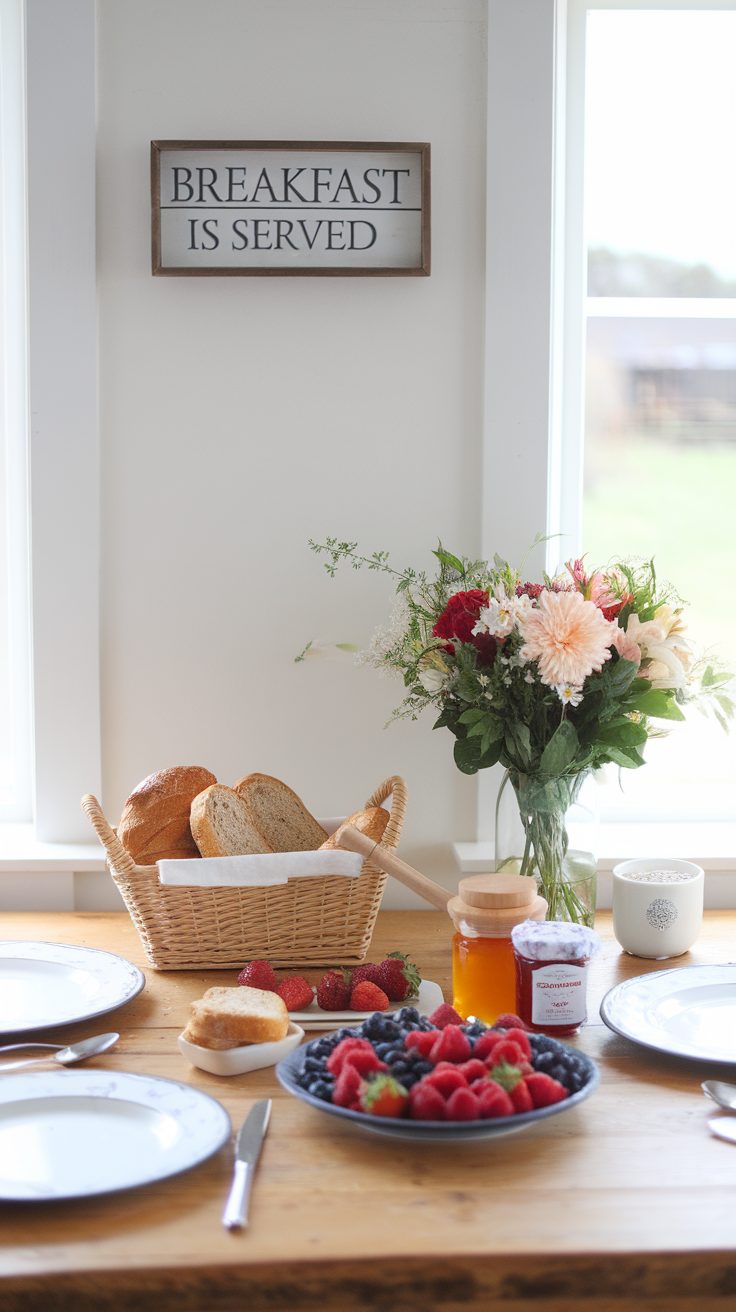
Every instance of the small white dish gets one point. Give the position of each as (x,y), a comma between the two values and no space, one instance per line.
(238,1061)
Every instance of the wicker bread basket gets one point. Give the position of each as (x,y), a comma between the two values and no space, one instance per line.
(305,922)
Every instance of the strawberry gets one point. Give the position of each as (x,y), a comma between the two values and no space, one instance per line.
(339,1054)
(333,992)
(368,997)
(506,1075)
(398,977)
(259,975)
(521,1097)
(544,1090)
(296,992)
(462,1105)
(423,1040)
(367,971)
(384,1096)
(445,1078)
(348,1085)
(493,1101)
(509,1021)
(445,1015)
(450,1045)
(426,1103)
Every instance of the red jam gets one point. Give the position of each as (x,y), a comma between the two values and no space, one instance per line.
(551,974)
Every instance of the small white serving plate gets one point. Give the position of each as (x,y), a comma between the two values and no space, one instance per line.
(238,1061)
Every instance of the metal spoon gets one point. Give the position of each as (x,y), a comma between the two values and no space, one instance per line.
(82,1050)
(723,1094)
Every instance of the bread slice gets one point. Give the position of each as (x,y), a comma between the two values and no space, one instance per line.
(155,820)
(276,811)
(371,821)
(230,1017)
(222,826)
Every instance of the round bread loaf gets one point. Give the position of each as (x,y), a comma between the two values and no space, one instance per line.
(154,825)
(371,821)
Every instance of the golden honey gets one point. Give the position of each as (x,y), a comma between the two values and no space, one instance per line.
(483,965)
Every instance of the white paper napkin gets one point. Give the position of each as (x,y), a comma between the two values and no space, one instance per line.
(259,871)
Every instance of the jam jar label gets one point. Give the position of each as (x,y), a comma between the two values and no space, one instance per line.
(558,993)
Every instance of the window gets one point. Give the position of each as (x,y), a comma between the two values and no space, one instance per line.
(659,446)
(15,726)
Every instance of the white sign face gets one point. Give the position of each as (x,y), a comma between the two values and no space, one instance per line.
(289,208)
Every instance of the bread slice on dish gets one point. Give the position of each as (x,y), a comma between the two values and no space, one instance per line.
(222,826)
(371,821)
(232,1017)
(154,825)
(279,814)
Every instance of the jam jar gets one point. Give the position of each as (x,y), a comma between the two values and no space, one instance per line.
(551,962)
(483,968)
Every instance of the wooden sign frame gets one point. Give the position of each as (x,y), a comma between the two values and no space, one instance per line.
(290,208)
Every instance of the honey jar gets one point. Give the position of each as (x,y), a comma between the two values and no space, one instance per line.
(484,912)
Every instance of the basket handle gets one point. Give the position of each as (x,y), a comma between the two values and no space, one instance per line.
(120,860)
(395,788)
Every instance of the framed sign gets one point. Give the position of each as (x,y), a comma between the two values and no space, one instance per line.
(249,208)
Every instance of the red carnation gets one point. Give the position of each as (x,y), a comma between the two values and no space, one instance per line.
(458,620)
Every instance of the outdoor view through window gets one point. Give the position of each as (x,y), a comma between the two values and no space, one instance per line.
(660,422)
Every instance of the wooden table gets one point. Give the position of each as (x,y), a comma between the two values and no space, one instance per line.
(626,1202)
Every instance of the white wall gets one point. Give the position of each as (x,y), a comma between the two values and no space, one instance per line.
(239,417)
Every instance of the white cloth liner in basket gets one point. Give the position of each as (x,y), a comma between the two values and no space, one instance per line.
(263,870)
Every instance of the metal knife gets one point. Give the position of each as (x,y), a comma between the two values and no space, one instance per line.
(247,1151)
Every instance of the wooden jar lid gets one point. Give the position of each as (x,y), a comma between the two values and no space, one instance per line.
(492,904)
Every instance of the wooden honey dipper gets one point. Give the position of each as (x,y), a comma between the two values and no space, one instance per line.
(351,839)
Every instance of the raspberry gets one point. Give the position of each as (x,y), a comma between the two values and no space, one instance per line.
(367,971)
(259,975)
(368,997)
(422,1040)
(338,1056)
(521,1038)
(544,1090)
(333,992)
(450,1045)
(445,1015)
(348,1085)
(509,1022)
(426,1103)
(473,1070)
(507,1051)
(398,977)
(462,1105)
(493,1101)
(364,1060)
(384,1096)
(445,1078)
(487,1043)
(296,992)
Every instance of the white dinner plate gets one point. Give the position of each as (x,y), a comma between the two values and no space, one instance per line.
(689,1011)
(314,1018)
(238,1061)
(72,1134)
(43,985)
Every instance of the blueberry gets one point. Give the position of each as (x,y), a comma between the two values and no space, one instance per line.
(320,1089)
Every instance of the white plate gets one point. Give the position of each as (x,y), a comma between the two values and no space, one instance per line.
(43,985)
(689,1011)
(315,1018)
(237,1061)
(72,1134)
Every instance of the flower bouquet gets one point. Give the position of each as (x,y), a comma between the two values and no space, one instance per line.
(549,679)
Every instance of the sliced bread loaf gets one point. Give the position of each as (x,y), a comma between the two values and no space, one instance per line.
(277,813)
(371,821)
(155,820)
(222,826)
(230,1017)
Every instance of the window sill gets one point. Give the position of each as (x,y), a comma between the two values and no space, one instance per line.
(20,850)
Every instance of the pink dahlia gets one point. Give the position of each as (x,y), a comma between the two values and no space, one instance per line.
(567,636)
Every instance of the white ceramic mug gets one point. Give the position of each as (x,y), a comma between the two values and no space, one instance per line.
(657,906)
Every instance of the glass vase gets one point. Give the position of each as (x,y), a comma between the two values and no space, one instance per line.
(533,820)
